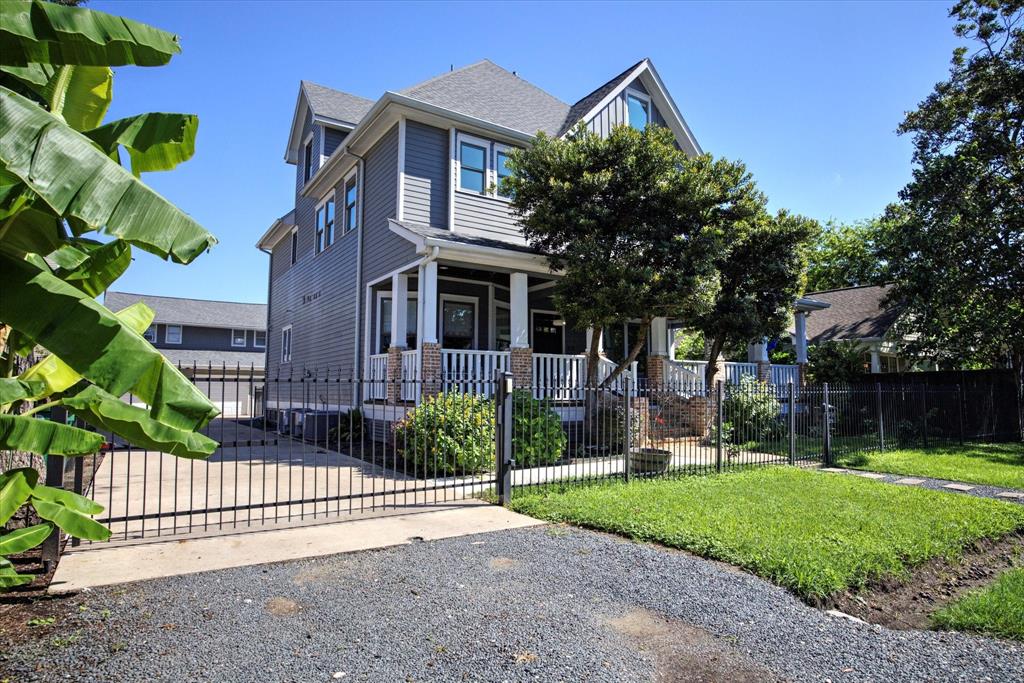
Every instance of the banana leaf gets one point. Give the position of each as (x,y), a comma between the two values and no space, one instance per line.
(78,181)
(10,578)
(96,344)
(44,32)
(155,142)
(42,437)
(95,266)
(20,540)
(104,411)
(15,389)
(71,521)
(15,488)
(56,376)
(80,94)
(69,499)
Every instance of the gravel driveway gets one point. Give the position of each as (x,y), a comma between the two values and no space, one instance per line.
(536,604)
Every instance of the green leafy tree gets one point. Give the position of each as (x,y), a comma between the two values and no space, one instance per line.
(760,265)
(61,180)
(844,255)
(836,362)
(632,223)
(955,248)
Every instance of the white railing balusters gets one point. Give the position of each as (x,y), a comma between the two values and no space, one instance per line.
(377,376)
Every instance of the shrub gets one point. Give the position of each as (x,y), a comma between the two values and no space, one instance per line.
(350,428)
(537,436)
(753,411)
(450,433)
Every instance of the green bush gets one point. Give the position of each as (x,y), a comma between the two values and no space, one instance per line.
(537,436)
(349,429)
(753,411)
(451,433)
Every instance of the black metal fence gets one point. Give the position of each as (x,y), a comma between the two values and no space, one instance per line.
(317,446)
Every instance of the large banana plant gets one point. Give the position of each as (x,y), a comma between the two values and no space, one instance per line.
(72,209)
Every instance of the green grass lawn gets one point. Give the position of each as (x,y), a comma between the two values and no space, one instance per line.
(992,464)
(814,533)
(997,610)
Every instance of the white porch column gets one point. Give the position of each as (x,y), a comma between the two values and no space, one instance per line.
(659,337)
(800,336)
(428,304)
(399,306)
(876,361)
(758,353)
(519,310)
(590,339)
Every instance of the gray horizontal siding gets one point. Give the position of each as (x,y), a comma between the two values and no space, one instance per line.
(332,138)
(483,216)
(426,168)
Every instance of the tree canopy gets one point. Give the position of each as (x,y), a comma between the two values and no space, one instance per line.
(955,248)
(844,255)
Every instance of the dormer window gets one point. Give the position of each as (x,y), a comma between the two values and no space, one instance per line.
(307,159)
(472,167)
(638,105)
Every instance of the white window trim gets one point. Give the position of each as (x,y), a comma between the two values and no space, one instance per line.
(411,296)
(334,234)
(255,339)
(293,244)
(245,339)
(312,171)
(630,92)
(291,340)
(354,173)
(145,335)
(477,142)
(498,148)
(167,339)
(462,299)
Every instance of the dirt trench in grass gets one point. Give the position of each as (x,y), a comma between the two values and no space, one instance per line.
(908,602)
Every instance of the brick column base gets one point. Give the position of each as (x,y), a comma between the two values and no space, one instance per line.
(656,372)
(394,384)
(764,371)
(802,369)
(700,413)
(641,409)
(521,365)
(430,368)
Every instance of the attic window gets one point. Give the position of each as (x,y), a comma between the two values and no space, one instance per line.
(307,160)
(638,106)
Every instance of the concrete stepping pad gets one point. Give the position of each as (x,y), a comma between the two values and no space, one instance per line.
(958,487)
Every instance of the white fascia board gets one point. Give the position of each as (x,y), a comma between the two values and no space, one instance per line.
(291,152)
(805,304)
(474,253)
(275,233)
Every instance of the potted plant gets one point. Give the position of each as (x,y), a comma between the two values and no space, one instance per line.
(649,460)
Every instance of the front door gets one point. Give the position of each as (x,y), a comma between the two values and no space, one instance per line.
(547,335)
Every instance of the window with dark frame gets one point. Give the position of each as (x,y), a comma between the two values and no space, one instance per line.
(472,167)
(501,171)
(259,339)
(351,199)
(295,246)
(325,225)
(286,345)
(238,338)
(639,110)
(307,162)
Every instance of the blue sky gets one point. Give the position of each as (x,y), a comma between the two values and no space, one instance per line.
(809,95)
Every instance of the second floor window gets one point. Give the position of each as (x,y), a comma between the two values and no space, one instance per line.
(325,225)
(501,171)
(238,337)
(259,339)
(351,200)
(172,334)
(307,161)
(286,344)
(472,167)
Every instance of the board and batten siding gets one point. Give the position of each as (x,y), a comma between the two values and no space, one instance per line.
(425,198)
(615,113)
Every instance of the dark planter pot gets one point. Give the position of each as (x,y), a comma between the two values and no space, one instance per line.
(649,460)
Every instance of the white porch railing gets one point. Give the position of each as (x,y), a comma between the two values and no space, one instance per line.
(681,378)
(606,367)
(410,373)
(734,371)
(377,377)
(473,371)
(559,377)
(784,374)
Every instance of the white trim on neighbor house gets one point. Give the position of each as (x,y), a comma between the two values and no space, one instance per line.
(287,340)
(167,334)
(245,338)
(400,200)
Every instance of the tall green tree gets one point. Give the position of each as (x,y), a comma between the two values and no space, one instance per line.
(845,255)
(631,222)
(955,248)
(760,264)
(61,181)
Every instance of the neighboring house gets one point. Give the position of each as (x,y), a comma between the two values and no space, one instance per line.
(200,332)
(400,258)
(860,314)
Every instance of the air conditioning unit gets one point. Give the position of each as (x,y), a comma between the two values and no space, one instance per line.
(283,420)
(298,419)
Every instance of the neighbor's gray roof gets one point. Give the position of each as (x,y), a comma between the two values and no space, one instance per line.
(197,312)
(583,106)
(854,313)
(462,238)
(187,358)
(487,91)
(335,104)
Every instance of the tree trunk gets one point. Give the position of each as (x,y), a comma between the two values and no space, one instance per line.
(711,370)
(641,339)
(594,356)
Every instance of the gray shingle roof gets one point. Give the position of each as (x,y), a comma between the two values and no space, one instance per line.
(462,238)
(583,106)
(486,91)
(855,313)
(335,104)
(187,358)
(197,312)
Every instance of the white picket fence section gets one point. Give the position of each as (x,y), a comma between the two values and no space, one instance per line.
(784,374)
(734,371)
(410,375)
(473,371)
(377,376)
(683,379)
(559,377)
(606,367)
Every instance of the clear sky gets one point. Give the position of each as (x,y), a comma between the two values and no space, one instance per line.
(808,94)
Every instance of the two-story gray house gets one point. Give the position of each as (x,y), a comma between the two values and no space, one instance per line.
(401,259)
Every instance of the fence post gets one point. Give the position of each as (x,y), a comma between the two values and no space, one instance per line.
(960,411)
(924,415)
(79,471)
(881,421)
(792,424)
(627,445)
(719,420)
(827,438)
(503,437)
